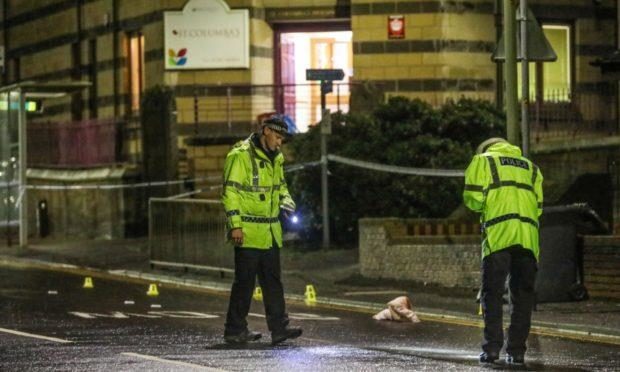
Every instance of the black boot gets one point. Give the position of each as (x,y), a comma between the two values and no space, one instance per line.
(515,360)
(488,358)
(285,334)
(243,337)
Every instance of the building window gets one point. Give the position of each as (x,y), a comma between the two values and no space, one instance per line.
(136,69)
(552,81)
(557,75)
(77,105)
(92,77)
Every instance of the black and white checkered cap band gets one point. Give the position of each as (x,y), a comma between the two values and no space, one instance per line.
(277,127)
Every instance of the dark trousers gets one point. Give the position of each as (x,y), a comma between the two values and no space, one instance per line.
(265,264)
(521,267)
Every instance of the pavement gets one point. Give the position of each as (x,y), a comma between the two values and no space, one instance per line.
(334,274)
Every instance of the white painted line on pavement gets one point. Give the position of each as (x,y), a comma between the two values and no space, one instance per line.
(362,293)
(25,334)
(173,362)
(300,316)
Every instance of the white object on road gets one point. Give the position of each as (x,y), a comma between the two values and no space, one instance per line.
(399,309)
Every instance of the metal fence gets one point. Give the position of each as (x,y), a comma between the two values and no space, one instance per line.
(225,108)
(566,114)
(557,114)
(188,233)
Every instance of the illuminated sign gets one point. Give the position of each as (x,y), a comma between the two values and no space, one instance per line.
(29,106)
(206,34)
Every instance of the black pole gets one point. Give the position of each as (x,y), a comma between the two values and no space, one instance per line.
(324,182)
(5,33)
(115,63)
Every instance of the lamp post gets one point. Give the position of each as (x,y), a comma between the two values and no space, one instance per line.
(510,71)
(525,80)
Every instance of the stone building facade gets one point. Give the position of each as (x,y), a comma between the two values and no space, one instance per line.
(444,54)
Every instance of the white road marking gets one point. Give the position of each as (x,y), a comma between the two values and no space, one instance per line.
(301,316)
(173,362)
(150,314)
(115,314)
(25,334)
(137,315)
(362,293)
(184,314)
(188,315)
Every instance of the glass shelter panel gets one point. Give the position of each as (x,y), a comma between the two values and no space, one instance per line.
(9,163)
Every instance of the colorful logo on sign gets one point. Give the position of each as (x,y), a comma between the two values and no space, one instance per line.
(177,58)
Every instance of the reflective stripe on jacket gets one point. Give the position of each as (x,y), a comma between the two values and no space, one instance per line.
(254,191)
(506,189)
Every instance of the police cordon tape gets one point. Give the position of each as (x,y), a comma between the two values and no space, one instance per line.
(123,186)
(432,172)
(289,169)
(292,168)
(397,169)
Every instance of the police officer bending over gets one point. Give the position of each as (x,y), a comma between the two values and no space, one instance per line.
(506,189)
(254,194)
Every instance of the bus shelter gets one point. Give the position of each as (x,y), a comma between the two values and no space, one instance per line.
(18,103)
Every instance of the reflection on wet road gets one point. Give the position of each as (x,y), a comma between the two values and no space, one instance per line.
(48,321)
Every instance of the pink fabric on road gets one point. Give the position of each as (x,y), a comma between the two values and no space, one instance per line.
(399,309)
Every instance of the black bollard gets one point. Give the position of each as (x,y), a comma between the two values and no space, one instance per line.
(43,222)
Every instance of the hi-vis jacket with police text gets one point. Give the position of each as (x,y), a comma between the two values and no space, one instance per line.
(506,189)
(254,190)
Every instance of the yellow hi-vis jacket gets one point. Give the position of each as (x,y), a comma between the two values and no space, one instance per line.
(254,191)
(506,189)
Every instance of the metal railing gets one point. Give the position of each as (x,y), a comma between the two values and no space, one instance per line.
(230,109)
(188,233)
(564,114)
(220,110)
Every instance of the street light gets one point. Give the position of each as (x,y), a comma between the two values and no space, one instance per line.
(533,47)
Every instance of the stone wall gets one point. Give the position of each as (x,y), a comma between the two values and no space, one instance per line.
(419,250)
(390,248)
(601,266)
(75,210)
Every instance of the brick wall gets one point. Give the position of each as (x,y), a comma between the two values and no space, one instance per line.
(443,55)
(404,249)
(415,249)
(601,263)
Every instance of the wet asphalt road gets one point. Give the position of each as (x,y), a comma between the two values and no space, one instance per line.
(116,326)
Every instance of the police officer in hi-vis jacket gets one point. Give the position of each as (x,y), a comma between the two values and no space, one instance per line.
(506,189)
(254,194)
